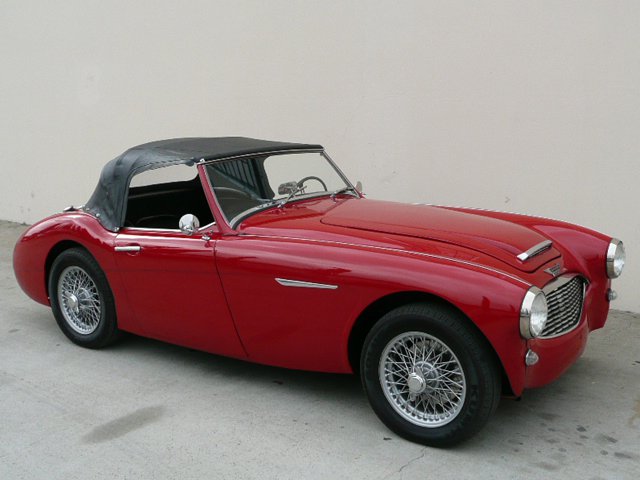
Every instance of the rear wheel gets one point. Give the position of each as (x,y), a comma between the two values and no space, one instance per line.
(81,299)
(429,375)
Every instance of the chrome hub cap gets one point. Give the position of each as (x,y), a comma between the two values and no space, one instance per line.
(428,378)
(422,379)
(79,300)
(72,301)
(416,383)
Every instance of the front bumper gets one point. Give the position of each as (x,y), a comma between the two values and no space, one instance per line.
(556,355)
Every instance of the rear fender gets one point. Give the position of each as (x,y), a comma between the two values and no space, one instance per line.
(37,247)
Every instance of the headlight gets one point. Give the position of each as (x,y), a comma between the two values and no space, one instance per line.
(615,258)
(533,313)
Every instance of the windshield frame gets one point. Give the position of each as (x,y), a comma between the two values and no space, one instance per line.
(235,221)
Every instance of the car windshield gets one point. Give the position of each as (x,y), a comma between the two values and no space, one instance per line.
(248,184)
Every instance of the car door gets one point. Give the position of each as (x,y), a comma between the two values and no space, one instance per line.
(174,289)
(291,300)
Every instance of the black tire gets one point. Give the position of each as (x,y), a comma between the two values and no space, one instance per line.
(98,329)
(430,326)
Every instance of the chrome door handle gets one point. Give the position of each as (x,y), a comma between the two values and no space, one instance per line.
(129,248)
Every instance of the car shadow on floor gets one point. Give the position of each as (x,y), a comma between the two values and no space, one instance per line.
(535,414)
(545,421)
(328,385)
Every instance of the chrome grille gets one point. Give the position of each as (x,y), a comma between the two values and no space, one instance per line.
(564,299)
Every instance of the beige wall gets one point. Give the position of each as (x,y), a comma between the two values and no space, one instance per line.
(531,107)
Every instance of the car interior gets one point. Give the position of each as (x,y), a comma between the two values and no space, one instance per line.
(162,205)
(237,186)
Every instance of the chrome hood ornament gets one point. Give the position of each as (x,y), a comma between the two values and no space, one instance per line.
(555,270)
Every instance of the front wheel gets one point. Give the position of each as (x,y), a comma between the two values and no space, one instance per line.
(81,299)
(429,375)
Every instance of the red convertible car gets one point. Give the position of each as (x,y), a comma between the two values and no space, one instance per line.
(265,251)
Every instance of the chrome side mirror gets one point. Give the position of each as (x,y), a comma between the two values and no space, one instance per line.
(189,223)
(287,188)
(359,186)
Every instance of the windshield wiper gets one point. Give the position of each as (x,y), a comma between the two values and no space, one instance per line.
(293,193)
(345,189)
(300,188)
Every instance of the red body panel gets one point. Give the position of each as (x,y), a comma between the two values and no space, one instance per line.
(492,236)
(33,247)
(313,325)
(174,289)
(555,355)
(222,295)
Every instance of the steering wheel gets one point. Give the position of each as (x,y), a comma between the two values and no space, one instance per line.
(230,192)
(313,177)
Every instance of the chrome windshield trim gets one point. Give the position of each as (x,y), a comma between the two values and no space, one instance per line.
(285,282)
(341,173)
(535,250)
(204,161)
(397,250)
(235,221)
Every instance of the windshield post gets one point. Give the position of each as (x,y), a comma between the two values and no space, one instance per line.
(342,175)
(248,184)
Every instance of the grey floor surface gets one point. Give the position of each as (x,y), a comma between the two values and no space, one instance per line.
(145,409)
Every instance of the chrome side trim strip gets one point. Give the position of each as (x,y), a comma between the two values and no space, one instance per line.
(151,229)
(129,248)
(396,250)
(535,250)
(285,282)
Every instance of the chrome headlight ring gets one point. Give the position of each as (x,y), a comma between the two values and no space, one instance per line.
(615,258)
(533,313)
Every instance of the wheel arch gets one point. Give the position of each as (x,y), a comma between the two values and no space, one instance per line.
(54,252)
(103,327)
(40,244)
(377,309)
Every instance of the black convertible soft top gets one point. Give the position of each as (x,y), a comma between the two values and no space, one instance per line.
(109,198)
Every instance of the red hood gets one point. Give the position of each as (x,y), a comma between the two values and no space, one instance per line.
(498,238)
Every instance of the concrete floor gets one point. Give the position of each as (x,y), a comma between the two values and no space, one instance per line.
(145,409)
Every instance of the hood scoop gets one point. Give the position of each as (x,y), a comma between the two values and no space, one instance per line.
(516,245)
(535,250)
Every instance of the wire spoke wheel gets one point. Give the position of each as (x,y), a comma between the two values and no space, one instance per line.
(422,379)
(79,300)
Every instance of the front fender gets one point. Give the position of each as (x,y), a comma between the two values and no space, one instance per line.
(583,250)
(490,299)
(361,275)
